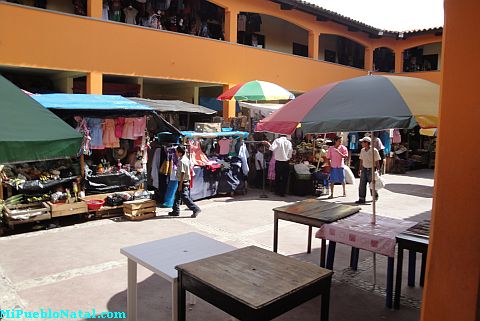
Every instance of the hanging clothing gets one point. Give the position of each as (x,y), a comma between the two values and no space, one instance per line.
(271,168)
(119,122)
(155,22)
(231,151)
(110,140)
(130,15)
(105,10)
(243,155)
(353,141)
(155,166)
(197,155)
(224,146)
(116,15)
(242,22)
(128,129)
(397,137)
(95,126)
(82,128)
(139,125)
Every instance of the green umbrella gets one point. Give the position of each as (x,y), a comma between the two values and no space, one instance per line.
(30,132)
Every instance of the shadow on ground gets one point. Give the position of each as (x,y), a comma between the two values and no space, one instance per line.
(411,189)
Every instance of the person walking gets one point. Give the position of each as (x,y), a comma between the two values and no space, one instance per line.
(336,156)
(366,168)
(183,191)
(282,151)
(260,167)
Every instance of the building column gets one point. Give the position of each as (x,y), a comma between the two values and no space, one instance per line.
(313,43)
(228,105)
(95,83)
(368,63)
(94,8)
(196,95)
(398,61)
(140,82)
(231,18)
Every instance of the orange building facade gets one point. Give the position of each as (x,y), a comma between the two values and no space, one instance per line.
(298,49)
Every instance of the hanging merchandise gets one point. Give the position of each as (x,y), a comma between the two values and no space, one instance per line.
(397,137)
(82,128)
(244,155)
(96,132)
(128,129)
(353,139)
(139,126)
(224,144)
(110,140)
(119,123)
(155,21)
(242,22)
(105,10)
(130,15)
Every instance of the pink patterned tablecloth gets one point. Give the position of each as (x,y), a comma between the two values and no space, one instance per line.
(357,231)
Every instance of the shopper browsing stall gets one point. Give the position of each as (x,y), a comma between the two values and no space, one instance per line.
(366,165)
(282,151)
(183,192)
(336,155)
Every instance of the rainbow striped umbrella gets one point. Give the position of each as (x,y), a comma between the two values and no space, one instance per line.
(365,103)
(256,90)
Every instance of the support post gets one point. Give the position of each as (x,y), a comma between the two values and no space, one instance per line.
(313,44)
(94,8)
(95,83)
(231,18)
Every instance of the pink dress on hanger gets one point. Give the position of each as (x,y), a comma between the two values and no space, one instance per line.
(119,122)
(128,129)
(110,140)
(139,125)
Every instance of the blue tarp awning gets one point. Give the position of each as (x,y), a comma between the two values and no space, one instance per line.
(190,134)
(88,102)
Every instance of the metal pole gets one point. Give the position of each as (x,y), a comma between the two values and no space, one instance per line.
(374,192)
(263,195)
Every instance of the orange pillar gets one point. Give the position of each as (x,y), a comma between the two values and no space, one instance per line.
(398,60)
(228,105)
(94,83)
(94,8)
(231,18)
(313,43)
(453,266)
(368,65)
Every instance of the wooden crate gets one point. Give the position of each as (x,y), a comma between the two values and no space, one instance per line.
(64,209)
(105,211)
(26,213)
(140,209)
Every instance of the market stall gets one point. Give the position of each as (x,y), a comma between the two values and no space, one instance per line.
(30,133)
(219,164)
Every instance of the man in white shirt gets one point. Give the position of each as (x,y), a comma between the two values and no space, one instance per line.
(282,151)
(367,160)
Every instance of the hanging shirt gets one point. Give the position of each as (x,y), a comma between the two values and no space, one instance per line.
(242,22)
(243,155)
(139,125)
(385,137)
(110,140)
(224,146)
(128,129)
(282,149)
(353,141)
(130,15)
(259,165)
(155,167)
(397,138)
(95,126)
(105,12)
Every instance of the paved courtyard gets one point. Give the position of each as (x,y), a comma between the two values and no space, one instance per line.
(80,266)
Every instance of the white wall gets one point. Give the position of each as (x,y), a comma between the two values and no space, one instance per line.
(280,34)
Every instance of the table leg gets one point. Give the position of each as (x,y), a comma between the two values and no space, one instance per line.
(422,270)
(323,253)
(275,234)
(398,282)
(325,305)
(181,299)
(309,246)
(132,291)
(354,254)
(390,265)
(331,254)
(412,262)
(175,300)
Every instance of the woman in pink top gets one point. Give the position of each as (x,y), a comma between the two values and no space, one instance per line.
(336,155)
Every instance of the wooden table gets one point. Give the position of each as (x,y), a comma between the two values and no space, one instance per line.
(414,243)
(162,256)
(313,213)
(253,284)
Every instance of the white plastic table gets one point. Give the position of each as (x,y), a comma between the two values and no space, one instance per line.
(162,256)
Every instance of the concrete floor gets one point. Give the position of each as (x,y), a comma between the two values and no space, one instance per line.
(80,266)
